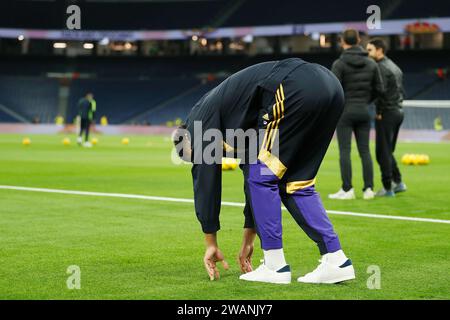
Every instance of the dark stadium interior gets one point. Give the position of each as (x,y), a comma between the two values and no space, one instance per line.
(130,87)
(161,15)
(168,84)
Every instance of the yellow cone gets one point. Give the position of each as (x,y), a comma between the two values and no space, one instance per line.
(66,141)
(421,159)
(415,159)
(229,164)
(26,141)
(407,159)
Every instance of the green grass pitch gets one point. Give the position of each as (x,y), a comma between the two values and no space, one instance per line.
(139,249)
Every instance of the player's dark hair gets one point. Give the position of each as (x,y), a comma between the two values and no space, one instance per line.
(379,44)
(351,37)
(179,136)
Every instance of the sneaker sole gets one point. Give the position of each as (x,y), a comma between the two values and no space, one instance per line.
(273,282)
(342,198)
(339,280)
(334,281)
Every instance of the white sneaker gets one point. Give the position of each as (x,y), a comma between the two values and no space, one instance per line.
(80,140)
(264,274)
(87,144)
(369,194)
(342,195)
(329,272)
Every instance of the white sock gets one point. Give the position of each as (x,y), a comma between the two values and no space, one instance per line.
(274,259)
(337,258)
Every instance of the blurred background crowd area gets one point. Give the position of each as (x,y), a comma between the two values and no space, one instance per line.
(148,62)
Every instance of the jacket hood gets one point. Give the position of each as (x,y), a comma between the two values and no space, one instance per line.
(355,56)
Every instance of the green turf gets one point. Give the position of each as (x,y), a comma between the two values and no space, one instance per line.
(138,249)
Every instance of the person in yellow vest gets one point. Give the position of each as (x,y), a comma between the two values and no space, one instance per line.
(438,124)
(104,121)
(59,120)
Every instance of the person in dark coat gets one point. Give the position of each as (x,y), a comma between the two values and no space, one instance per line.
(362,82)
(389,118)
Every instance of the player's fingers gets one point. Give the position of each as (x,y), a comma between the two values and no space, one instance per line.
(209,269)
(220,257)
(242,265)
(225,265)
(249,264)
(216,273)
(210,273)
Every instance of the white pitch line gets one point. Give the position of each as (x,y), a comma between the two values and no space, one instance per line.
(224,203)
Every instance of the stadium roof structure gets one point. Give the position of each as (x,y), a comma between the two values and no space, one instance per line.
(204,14)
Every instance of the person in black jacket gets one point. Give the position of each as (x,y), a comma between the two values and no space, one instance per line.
(362,83)
(292,107)
(389,118)
(87,107)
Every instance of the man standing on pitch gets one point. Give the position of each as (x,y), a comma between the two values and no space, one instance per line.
(389,118)
(362,83)
(297,104)
(86,112)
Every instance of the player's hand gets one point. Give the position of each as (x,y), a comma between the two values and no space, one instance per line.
(246,252)
(245,258)
(212,256)
(379,117)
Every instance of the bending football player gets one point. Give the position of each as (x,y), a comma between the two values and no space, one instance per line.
(293,107)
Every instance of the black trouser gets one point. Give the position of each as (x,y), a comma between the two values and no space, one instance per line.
(386,139)
(84,128)
(359,123)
